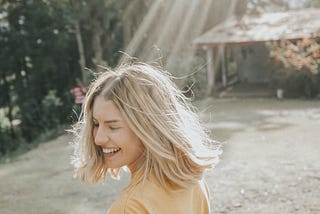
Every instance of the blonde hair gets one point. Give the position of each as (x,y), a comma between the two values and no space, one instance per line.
(177,147)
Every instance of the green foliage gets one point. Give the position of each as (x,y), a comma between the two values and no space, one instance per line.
(6,143)
(38,65)
(51,105)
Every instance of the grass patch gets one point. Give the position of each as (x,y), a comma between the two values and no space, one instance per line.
(24,146)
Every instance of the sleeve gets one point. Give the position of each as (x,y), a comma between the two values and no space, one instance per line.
(130,206)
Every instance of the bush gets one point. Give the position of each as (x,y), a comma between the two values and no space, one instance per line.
(297,83)
(51,105)
(6,143)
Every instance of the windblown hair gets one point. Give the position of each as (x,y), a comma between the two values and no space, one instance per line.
(177,148)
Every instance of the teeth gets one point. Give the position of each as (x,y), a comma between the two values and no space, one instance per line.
(110,151)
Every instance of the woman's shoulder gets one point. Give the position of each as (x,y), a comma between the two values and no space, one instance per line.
(127,206)
(137,198)
(129,201)
(150,197)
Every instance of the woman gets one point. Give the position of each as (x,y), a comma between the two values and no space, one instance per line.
(135,117)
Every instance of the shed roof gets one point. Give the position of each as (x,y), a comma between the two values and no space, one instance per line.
(294,24)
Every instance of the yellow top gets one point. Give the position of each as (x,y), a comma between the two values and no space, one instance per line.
(149,198)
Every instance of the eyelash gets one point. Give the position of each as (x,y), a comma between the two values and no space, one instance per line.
(110,127)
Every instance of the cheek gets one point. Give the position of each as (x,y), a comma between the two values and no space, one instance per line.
(134,145)
(138,147)
(94,132)
(131,142)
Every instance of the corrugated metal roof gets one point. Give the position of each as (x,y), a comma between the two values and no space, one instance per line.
(293,24)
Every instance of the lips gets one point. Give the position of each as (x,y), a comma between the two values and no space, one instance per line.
(111,151)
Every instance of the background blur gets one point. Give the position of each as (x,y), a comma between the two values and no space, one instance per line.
(250,66)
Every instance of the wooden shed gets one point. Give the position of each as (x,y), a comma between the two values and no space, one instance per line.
(252,30)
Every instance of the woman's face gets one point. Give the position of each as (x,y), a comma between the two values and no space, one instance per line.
(121,147)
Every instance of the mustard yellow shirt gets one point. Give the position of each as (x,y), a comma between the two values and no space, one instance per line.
(149,198)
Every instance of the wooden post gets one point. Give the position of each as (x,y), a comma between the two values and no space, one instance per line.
(223,66)
(210,71)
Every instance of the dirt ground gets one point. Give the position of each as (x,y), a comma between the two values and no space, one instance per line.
(270,164)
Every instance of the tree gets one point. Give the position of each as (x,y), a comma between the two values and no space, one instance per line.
(102,30)
(37,55)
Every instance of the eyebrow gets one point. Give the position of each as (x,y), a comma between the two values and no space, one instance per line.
(110,121)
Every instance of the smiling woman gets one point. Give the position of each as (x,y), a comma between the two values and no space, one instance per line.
(121,147)
(135,117)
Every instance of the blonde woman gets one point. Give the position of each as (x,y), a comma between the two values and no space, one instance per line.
(135,117)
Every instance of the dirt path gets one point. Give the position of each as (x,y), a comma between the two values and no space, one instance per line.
(271,157)
(270,165)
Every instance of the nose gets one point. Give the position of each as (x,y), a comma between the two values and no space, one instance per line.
(100,137)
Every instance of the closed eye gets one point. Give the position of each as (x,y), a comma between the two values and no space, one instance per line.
(114,128)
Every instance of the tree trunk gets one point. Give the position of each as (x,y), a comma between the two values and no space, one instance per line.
(75,7)
(127,21)
(96,40)
(82,59)
(10,107)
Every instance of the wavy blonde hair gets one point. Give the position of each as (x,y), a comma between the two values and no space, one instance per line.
(177,147)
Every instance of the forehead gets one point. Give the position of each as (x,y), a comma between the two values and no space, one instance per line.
(105,109)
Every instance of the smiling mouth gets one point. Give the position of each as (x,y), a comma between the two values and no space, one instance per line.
(110,151)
